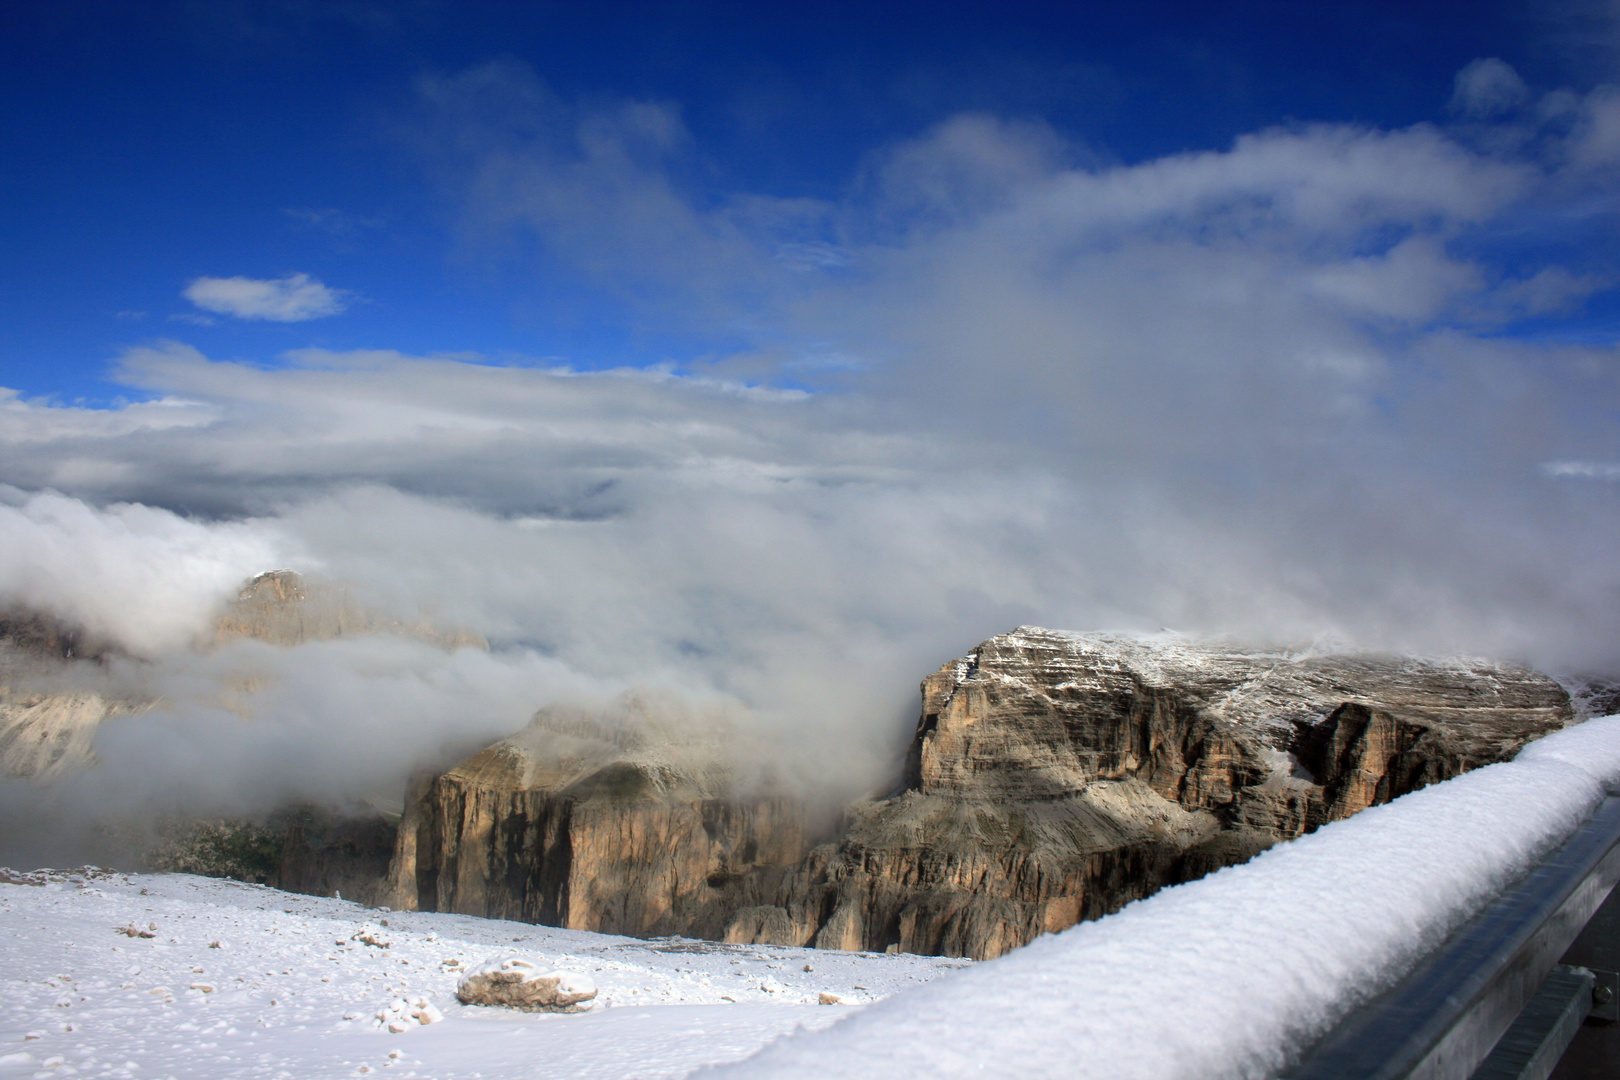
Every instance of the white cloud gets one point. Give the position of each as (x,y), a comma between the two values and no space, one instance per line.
(24,421)
(1583,470)
(295,298)
(141,577)
(1550,291)
(1413,281)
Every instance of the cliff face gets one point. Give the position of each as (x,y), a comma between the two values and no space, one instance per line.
(626,827)
(282,608)
(1055,777)
(1052,778)
(53,699)
(49,704)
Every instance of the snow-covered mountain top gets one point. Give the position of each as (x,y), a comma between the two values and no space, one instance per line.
(1261,687)
(1173,656)
(240,980)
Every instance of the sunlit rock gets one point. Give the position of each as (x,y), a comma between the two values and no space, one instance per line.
(1052,778)
(518,982)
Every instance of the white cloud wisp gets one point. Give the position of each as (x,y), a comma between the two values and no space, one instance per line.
(294,298)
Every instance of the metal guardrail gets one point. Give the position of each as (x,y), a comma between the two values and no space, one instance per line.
(1450,1018)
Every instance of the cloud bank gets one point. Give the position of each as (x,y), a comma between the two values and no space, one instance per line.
(138,576)
(1279,392)
(295,298)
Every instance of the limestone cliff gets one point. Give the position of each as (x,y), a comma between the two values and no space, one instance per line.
(282,608)
(53,697)
(630,823)
(1052,778)
(1055,777)
(50,701)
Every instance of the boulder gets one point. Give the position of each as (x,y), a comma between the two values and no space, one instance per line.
(518,982)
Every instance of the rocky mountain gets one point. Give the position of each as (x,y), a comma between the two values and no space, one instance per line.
(50,701)
(282,608)
(53,699)
(630,820)
(1052,777)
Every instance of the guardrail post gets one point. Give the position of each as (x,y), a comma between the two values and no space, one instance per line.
(1594,1054)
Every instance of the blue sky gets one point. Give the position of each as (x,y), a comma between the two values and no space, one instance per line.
(149,145)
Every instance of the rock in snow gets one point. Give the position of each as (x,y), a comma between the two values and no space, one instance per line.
(402,1014)
(518,982)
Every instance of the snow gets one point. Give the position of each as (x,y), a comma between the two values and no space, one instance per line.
(1226,977)
(240,980)
(1234,975)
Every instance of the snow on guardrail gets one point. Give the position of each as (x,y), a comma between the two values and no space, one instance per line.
(1234,975)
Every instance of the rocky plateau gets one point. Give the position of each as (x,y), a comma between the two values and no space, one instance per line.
(1052,777)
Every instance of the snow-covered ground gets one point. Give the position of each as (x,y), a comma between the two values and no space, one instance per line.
(240,980)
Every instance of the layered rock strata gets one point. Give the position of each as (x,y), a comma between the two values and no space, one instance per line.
(1052,778)
(280,607)
(631,825)
(51,702)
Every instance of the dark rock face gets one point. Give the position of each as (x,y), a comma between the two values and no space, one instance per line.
(30,634)
(328,854)
(1052,778)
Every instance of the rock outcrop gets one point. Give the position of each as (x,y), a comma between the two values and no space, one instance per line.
(519,982)
(628,823)
(1055,777)
(50,700)
(1052,778)
(280,607)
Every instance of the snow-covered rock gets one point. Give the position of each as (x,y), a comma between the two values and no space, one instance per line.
(404,1013)
(518,982)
